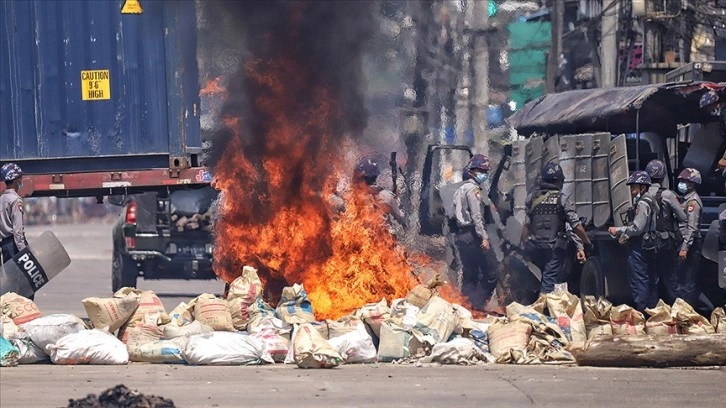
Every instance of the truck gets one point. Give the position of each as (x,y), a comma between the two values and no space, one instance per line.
(98,103)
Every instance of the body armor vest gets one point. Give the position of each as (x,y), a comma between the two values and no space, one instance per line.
(547,218)
(664,220)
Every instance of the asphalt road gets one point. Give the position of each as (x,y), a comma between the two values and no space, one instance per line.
(377,385)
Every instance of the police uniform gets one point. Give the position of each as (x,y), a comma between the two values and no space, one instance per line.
(551,219)
(12,234)
(642,273)
(671,215)
(469,235)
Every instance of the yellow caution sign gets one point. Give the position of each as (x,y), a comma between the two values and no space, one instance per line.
(132,7)
(95,85)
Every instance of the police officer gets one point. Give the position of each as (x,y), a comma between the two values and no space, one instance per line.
(471,239)
(12,234)
(368,171)
(669,214)
(551,218)
(642,272)
(689,255)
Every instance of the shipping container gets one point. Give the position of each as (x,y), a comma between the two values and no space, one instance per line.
(85,88)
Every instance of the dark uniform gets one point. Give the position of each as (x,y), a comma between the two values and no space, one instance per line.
(641,264)
(551,218)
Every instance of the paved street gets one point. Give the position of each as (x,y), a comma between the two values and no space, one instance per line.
(351,386)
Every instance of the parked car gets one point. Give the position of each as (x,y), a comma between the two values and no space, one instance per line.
(160,236)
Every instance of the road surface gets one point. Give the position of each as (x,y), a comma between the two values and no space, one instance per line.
(376,385)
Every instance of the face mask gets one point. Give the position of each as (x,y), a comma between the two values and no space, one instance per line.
(636,198)
(682,188)
(481,178)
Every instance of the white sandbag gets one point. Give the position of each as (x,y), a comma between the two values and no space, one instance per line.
(141,334)
(181,315)
(8,328)
(355,346)
(688,320)
(49,329)
(505,337)
(277,345)
(110,312)
(261,322)
(213,312)
(149,304)
(172,331)
(626,321)
(225,348)
(436,322)
(28,352)
(404,313)
(460,350)
(162,351)
(290,357)
(95,346)
(396,343)
(660,322)
(18,308)
(344,325)
(294,306)
(312,350)
(373,315)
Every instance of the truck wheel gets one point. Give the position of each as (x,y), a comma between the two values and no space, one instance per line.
(592,281)
(123,272)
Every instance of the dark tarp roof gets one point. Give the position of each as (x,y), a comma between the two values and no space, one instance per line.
(662,108)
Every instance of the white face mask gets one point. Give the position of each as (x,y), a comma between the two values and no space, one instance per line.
(682,187)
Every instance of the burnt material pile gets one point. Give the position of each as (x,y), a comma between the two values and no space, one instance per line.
(121,396)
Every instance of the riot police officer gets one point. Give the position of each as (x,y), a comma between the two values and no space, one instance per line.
(669,215)
(641,264)
(545,234)
(471,239)
(12,234)
(689,255)
(368,171)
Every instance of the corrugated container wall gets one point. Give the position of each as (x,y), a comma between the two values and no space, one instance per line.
(54,117)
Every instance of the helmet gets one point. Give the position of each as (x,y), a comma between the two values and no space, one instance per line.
(368,168)
(656,169)
(639,177)
(690,174)
(552,172)
(10,171)
(478,161)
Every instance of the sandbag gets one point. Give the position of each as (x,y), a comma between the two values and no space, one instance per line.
(597,316)
(261,316)
(436,322)
(224,348)
(294,306)
(149,304)
(420,295)
(464,318)
(97,347)
(181,315)
(8,354)
(110,312)
(342,326)
(49,329)
(312,350)
(373,315)
(504,337)
(28,352)
(626,321)
(355,346)
(459,350)
(162,352)
(718,320)
(8,328)
(275,344)
(660,321)
(243,292)
(19,308)
(542,326)
(172,331)
(212,311)
(397,343)
(688,320)
(567,310)
(140,335)
(404,314)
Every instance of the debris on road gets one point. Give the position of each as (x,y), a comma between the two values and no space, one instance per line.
(8,354)
(121,396)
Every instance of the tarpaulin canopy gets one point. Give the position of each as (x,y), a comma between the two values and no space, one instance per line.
(662,107)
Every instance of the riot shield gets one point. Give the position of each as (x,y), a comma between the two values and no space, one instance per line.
(550,151)
(583,176)
(620,197)
(30,269)
(568,152)
(533,159)
(600,180)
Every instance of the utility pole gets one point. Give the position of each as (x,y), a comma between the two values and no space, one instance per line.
(479,25)
(609,44)
(557,13)
(464,83)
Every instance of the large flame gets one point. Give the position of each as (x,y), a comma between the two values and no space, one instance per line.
(275,213)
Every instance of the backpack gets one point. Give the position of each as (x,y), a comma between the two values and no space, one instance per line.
(652,241)
(668,233)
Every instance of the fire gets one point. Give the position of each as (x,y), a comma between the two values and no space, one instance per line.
(275,213)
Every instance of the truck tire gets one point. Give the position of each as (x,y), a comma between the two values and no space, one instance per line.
(123,272)
(592,281)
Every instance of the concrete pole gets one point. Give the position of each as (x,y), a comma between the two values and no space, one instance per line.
(464,83)
(479,26)
(553,60)
(609,44)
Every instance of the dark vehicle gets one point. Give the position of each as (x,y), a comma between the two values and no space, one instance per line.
(160,236)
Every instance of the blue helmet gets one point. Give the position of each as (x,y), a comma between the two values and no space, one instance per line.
(10,171)
(656,169)
(368,168)
(478,161)
(552,172)
(691,174)
(639,177)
